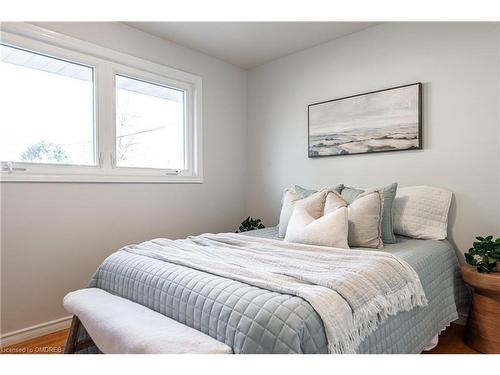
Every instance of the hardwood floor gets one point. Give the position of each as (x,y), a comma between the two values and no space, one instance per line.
(48,344)
(450,342)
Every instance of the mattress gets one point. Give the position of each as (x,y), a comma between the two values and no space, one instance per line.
(255,320)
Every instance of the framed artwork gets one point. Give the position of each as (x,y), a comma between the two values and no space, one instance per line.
(377,121)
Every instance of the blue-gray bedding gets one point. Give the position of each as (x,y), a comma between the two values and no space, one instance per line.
(254,320)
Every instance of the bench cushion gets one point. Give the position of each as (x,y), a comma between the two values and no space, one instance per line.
(117,325)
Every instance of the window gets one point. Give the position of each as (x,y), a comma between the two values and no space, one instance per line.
(72,111)
(47,109)
(149,125)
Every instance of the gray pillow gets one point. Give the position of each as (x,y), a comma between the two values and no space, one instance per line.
(304,193)
(350,194)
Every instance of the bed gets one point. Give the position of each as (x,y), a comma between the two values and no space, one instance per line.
(254,320)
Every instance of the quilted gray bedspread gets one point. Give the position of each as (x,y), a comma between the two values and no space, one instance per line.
(254,320)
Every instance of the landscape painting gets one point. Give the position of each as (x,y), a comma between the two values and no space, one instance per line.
(385,120)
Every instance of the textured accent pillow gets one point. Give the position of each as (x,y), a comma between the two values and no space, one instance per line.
(329,230)
(364,216)
(350,194)
(422,212)
(314,204)
(291,196)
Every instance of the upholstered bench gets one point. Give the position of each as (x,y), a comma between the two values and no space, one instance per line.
(117,325)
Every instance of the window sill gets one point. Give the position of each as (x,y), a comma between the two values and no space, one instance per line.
(77,178)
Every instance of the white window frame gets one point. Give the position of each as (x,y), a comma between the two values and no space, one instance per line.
(106,64)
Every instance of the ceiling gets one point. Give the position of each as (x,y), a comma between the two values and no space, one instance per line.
(249,44)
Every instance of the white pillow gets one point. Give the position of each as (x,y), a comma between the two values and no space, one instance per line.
(422,212)
(313,204)
(329,230)
(364,215)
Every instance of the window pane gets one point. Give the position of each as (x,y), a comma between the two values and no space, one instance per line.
(149,125)
(47,109)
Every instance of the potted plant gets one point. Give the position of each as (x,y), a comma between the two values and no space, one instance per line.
(484,254)
(250,224)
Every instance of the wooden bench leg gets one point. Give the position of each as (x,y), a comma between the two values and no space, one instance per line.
(71,342)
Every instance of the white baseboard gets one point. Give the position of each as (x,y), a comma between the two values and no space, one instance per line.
(11,338)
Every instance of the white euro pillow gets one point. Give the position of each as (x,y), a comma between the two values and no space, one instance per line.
(422,212)
(313,204)
(364,217)
(329,230)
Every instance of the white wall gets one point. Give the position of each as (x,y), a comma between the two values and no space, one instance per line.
(54,235)
(458,65)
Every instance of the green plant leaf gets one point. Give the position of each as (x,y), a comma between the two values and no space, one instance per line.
(489,251)
(250,224)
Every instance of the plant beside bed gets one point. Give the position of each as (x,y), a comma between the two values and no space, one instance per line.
(250,224)
(484,254)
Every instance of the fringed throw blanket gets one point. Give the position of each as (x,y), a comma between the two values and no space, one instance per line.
(353,291)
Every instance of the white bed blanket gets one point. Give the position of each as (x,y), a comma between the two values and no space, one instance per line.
(353,291)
